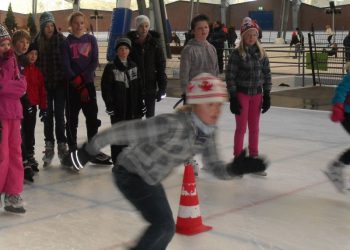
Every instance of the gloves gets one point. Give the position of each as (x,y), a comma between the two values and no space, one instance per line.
(245,165)
(42,115)
(266,102)
(161,94)
(337,112)
(235,107)
(78,83)
(78,158)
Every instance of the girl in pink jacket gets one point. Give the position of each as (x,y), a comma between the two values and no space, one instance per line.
(12,87)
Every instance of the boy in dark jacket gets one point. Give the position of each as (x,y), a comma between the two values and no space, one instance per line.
(122,89)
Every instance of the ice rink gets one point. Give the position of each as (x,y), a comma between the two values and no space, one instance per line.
(295,207)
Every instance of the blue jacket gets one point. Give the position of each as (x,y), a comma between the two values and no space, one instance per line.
(342,93)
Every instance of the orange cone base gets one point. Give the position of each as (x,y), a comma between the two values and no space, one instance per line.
(191,230)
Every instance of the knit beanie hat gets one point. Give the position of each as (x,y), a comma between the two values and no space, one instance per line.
(248,24)
(141,19)
(122,41)
(32,46)
(45,18)
(4,35)
(206,88)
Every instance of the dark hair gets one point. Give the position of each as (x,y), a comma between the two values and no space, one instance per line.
(197,19)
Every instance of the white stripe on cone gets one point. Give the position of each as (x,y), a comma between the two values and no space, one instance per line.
(189,211)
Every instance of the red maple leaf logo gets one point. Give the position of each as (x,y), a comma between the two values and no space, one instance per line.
(206,86)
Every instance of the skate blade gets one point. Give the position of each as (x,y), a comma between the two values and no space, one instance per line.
(337,186)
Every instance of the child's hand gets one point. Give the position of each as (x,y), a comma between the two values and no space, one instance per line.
(337,112)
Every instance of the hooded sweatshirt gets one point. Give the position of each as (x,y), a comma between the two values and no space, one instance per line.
(197,57)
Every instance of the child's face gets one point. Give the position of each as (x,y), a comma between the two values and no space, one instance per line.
(49,30)
(4,47)
(78,26)
(250,37)
(123,52)
(201,31)
(143,29)
(32,56)
(209,113)
(21,46)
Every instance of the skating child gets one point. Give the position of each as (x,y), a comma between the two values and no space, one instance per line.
(341,113)
(159,144)
(122,89)
(49,42)
(37,97)
(248,81)
(80,59)
(12,88)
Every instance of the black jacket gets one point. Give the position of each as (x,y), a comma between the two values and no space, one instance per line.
(126,102)
(150,60)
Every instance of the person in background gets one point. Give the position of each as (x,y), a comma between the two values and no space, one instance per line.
(20,41)
(49,42)
(248,79)
(12,87)
(329,33)
(37,97)
(148,55)
(121,89)
(198,55)
(341,114)
(156,146)
(346,43)
(231,37)
(80,60)
(217,39)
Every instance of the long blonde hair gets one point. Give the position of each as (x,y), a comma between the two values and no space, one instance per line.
(243,52)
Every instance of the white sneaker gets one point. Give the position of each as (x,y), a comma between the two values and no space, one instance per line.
(335,175)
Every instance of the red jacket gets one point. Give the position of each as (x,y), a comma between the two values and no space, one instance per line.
(35,86)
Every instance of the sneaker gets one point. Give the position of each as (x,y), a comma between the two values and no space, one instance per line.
(48,153)
(102,159)
(62,150)
(14,204)
(335,175)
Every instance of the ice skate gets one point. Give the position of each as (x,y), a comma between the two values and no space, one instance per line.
(61,150)
(48,153)
(102,159)
(334,173)
(33,163)
(28,171)
(14,204)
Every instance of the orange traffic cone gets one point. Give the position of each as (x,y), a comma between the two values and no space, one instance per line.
(189,220)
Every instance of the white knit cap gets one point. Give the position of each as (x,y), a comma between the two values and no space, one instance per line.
(4,35)
(141,19)
(206,88)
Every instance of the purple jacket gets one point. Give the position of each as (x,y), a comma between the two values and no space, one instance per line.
(80,57)
(12,88)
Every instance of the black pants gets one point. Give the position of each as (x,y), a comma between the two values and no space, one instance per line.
(220,55)
(329,38)
(28,133)
(152,203)
(150,102)
(90,110)
(56,99)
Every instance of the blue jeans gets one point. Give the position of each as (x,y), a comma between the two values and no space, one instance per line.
(56,101)
(153,205)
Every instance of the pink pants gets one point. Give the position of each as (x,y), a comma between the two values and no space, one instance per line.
(11,166)
(250,115)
